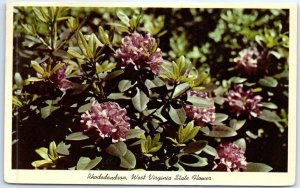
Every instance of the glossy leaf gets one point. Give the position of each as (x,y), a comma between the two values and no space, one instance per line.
(49,109)
(210,150)
(268,81)
(84,108)
(124,85)
(220,117)
(269,116)
(63,148)
(124,18)
(195,146)
(187,133)
(222,131)
(85,163)
(236,124)
(200,102)
(258,167)
(116,96)
(270,105)
(83,45)
(128,160)
(241,143)
(200,161)
(118,149)
(135,133)
(77,136)
(177,115)
(140,101)
(180,89)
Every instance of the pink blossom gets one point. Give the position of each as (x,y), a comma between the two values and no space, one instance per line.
(230,158)
(140,51)
(243,102)
(106,119)
(201,115)
(250,60)
(59,78)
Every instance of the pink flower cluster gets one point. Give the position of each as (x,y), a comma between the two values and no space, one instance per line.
(106,119)
(59,79)
(139,51)
(250,60)
(243,102)
(230,158)
(200,115)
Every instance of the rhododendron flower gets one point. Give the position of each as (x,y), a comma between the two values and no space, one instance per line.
(201,115)
(230,158)
(250,60)
(106,119)
(140,51)
(243,102)
(59,79)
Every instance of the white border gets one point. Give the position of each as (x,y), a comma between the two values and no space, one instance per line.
(218,178)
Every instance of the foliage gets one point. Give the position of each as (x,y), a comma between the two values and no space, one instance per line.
(150,88)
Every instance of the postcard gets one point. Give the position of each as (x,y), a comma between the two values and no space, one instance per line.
(150,94)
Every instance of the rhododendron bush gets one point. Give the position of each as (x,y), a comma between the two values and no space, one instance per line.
(150,89)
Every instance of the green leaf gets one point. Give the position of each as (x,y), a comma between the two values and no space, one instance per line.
(236,125)
(39,15)
(85,163)
(103,36)
(180,89)
(84,108)
(140,101)
(37,67)
(258,167)
(268,81)
(251,135)
(237,80)
(77,136)
(270,105)
(63,148)
(72,23)
(52,150)
(222,131)
(210,150)
(177,115)
(29,29)
(118,149)
(124,85)
(47,110)
(128,160)
(114,74)
(187,133)
(34,79)
(43,152)
(116,96)
(83,45)
(124,18)
(269,116)
(200,162)
(195,146)
(150,145)
(200,102)
(42,163)
(220,118)
(75,54)
(56,67)
(134,133)
(241,143)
